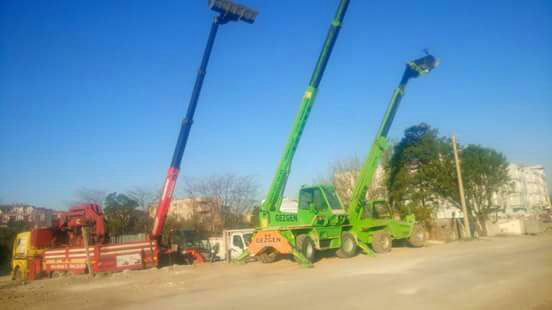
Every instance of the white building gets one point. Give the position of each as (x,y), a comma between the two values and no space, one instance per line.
(26,213)
(185,208)
(527,195)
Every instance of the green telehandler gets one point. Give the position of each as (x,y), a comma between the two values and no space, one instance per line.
(321,221)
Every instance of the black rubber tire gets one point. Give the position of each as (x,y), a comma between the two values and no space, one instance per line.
(306,247)
(268,257)
(55,274)
(417,237)
(382,242)
(16,276)
(349,247)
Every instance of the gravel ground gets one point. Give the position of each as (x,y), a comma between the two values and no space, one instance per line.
(491,273)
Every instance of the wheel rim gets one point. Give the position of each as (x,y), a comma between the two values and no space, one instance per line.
(348,245)
(420,236)
(309,251)
(386,242)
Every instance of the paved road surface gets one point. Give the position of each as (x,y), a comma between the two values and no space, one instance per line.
(494,273)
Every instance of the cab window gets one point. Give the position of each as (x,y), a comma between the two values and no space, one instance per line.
(319,201)
(306,199)
(380,210)
(21,246)
(237,241)
(332,199)
(312,196)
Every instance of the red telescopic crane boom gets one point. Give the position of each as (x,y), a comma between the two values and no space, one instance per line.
(228,11)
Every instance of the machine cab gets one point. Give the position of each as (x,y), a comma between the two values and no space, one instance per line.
(320,206)
(378,209)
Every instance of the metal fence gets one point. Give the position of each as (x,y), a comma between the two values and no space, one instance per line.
(128,238)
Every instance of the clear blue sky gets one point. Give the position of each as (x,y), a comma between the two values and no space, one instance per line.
(92,92)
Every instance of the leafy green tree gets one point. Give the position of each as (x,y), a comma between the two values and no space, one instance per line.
(410,171)
(422,173)
(144,197)
(121,214)
(485,173)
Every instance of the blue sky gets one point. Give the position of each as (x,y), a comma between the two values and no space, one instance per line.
(92,92)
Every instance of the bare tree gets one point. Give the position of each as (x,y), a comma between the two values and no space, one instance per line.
(86,195)
(343,174)
(228,197)
(145,198)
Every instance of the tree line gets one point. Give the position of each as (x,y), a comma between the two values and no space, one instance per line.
(226,201)
(419,174)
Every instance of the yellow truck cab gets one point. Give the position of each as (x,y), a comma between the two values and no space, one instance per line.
(27,252)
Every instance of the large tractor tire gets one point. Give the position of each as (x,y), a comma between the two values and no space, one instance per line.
(268,257)
(382,242)
(349,247)
(306,247)
(417,237)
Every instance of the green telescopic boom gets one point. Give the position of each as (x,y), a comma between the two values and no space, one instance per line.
(275,194)
(414,69)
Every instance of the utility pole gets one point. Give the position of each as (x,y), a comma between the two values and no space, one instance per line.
(84,231)
(461,189)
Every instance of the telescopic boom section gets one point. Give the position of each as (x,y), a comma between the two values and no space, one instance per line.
(228,11)
(413,69)
(276,191)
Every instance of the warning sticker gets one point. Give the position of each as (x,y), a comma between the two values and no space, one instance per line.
(129,260)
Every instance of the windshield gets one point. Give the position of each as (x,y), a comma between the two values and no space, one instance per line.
(21,246)
(332,199)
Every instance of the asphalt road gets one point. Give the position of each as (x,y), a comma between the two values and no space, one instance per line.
(494,273)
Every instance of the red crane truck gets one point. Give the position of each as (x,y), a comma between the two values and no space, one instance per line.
(83,252)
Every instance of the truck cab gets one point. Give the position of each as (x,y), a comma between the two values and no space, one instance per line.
(27,251)
(237,241)
(231,244)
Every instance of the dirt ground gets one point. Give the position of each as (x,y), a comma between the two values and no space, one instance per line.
(491,273)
